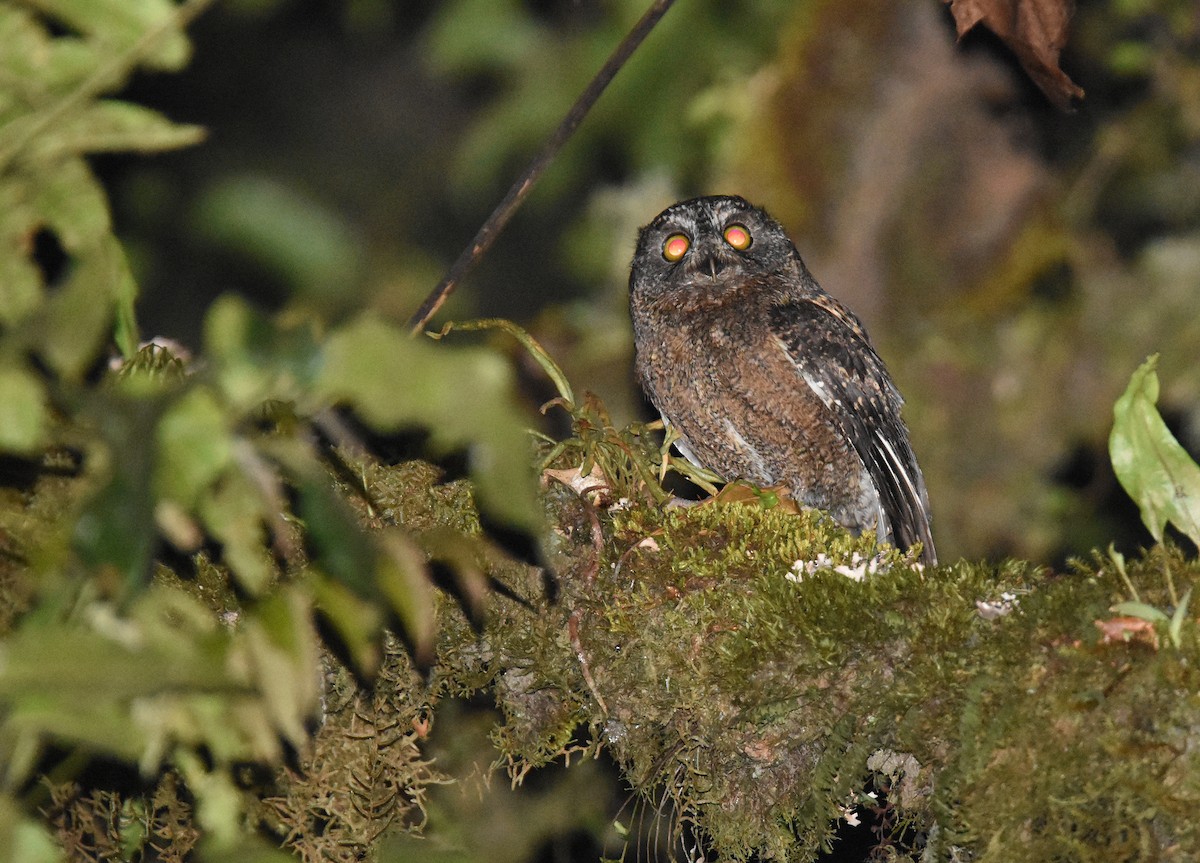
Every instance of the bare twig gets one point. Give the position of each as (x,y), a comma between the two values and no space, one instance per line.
(581,655)
(520,189)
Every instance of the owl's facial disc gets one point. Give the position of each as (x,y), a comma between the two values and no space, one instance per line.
(717,251)
(711,244)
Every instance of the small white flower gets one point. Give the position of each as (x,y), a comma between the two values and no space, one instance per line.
(992,609)
(857,569)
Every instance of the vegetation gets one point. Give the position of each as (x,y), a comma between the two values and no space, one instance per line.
(230,620)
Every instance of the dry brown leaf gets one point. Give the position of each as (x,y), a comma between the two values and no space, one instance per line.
(768,496)
(1035,30)
(593,485)
(1122,630)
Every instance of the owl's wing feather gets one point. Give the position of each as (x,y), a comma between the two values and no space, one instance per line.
(829,349)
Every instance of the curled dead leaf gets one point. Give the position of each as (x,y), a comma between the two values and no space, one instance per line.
(1126,630)
(1035,30)
(593,485)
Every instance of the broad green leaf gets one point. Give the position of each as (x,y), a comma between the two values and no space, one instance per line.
(218,801)
(166,676)
(309,247)
(234,510)
(22,839)
(76,321)
(231,328)
(35,64)
(195,446)
(70,200)
(463,397)
(256,359)
(20,280)
(22,411)
(340,546)
(357,622)
(404,580)
(112,126)
(68,326)
(116,527)
(100,687)
(283,649)
(372,566)
(1162,479)
(124,24)
(113,661)
(1141,610)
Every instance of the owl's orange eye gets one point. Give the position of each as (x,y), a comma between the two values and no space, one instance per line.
(738,237)
(676,247)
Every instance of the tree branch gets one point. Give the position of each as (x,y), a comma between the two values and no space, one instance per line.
(521,188)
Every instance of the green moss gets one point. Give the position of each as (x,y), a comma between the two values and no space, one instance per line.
(364,774)
(97,824)
(762,692)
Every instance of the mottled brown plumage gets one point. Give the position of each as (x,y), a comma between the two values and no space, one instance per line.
(764,375)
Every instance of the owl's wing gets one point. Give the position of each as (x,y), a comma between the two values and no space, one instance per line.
(829,349)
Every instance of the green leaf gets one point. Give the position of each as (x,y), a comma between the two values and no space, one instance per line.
(23,411)
(234,510)
(285,655)
(195,447)
(340,546)
(255,359)
(1141,610)
(372,566)
(1175,630)
(123,24)
(142,686)
(464,397)
(36,65)
(357,622)
(218,802)
(76,322)
(62,197)
(404,580)
(1154,469)
(100,687)
(116,528)
(310,248)
(112,126)
(20,280)
(24,839)
(69,198)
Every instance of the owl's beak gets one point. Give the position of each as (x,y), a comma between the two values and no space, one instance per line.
(711,266)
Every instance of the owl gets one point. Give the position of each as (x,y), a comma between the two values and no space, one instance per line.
(766,377)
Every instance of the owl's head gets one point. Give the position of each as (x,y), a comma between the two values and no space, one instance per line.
(708,246)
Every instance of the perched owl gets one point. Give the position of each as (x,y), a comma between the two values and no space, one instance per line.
(765,376)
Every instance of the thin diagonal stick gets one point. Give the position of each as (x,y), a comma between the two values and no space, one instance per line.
(520,189)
